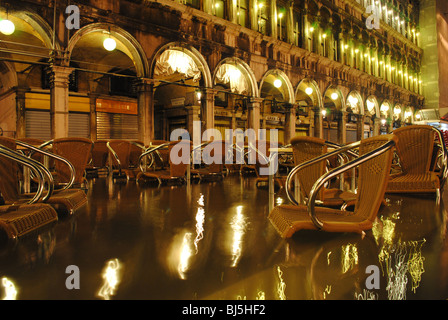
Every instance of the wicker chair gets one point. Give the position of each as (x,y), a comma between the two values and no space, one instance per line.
(177,170)
(212,170)
(18,220)
(78,152)
(64,200)
(121,159)
(99,159)
(415,149)
(374,161)
(160,157)
(258,157)
(305,149)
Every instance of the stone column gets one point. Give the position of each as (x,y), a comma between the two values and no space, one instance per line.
(146,111)
(342,128)
(192,116)
(20,112)
(93,123)
(376,126)
(253,115)
(360,127)
(318,123)
(290,124)
(59,80)
(208,102)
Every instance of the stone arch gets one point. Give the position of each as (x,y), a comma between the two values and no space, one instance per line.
(245,70)
(192,53)
(285,89)
(126,43)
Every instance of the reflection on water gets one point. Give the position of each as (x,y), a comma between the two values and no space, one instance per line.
(214,241)
(185,254)
(281,285)
(111,279)
(238,226)
(349,257)
(9,289)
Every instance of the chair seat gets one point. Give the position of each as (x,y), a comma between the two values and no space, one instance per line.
(337,197)
(204,173)
(427,182)
(68,200)
(287,219)
(157,175)
(279,182)
(17,221)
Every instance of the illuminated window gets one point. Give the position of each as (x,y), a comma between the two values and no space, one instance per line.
(219,9)
(263,17)
(242,13)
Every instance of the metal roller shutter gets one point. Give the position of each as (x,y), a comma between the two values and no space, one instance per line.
(38,124)
(79,125)
(117,126)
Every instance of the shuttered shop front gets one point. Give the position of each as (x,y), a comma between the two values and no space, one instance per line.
(37,116)
(116,120)
(38,124)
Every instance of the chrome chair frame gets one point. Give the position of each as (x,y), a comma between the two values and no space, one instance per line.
(339,150)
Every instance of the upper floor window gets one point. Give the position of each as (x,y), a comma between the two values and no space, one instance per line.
(281,23)
(263,17)
(219,9)
(242,13)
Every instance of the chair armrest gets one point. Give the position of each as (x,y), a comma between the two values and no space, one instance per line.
(335,172)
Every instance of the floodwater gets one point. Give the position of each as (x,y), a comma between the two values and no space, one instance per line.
(213,241)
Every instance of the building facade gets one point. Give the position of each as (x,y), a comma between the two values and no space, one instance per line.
(138,69)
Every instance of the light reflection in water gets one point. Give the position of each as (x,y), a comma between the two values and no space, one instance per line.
(10,289)
(416,268)
(186,251)
(281,285)
(399,259)
(238,226)
(111,277)
(200,218)
(349,257)
(185,254)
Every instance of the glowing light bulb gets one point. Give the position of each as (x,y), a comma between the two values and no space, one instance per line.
(277,83)
(109,44)
(7,27)
(334,96)
(309,91)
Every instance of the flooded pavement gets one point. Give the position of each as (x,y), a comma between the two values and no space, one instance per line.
(214,241)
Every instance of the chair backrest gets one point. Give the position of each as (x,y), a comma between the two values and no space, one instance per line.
(36,143)
(415,148)
(135,152)
(263,154)
(217,150)
(305,149)
(373,176)
(77,151)
(100,153)
(123,150)
(161,156)
(9,173)
(178,159)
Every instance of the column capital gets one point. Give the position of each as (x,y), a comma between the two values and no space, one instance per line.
(59,74)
